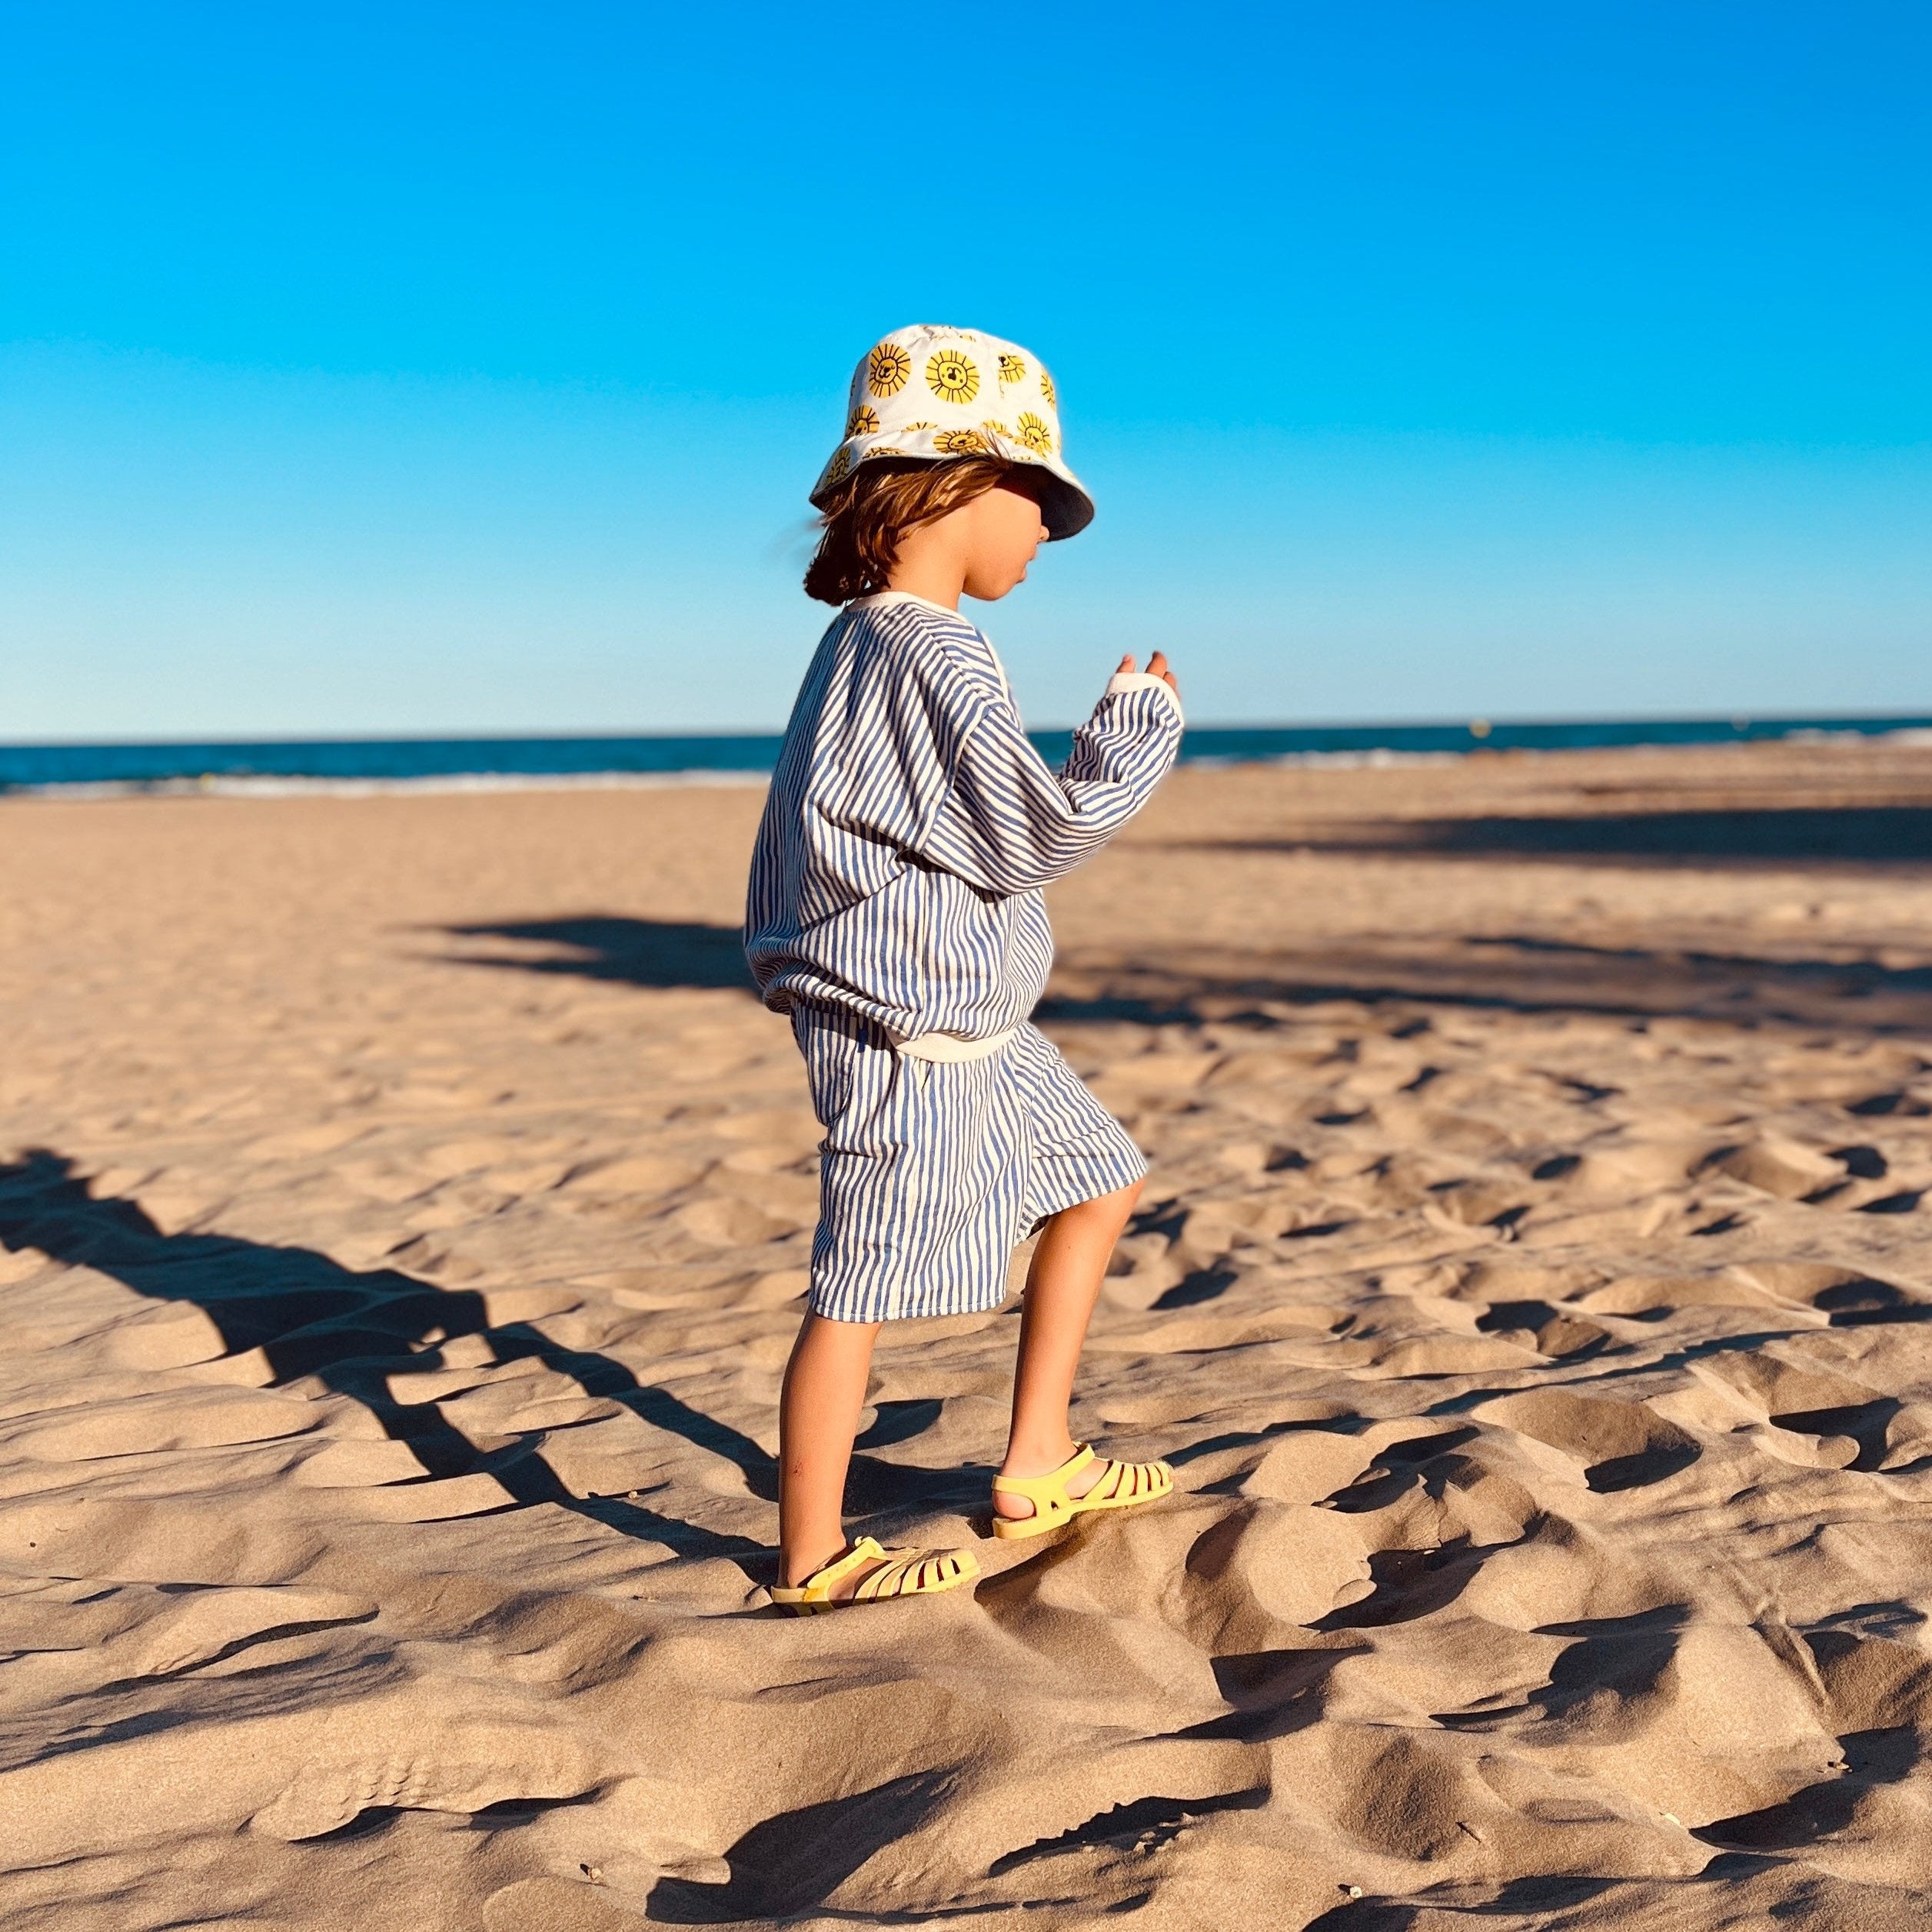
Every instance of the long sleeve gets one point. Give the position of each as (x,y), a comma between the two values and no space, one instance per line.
(911,822)
(1007,823)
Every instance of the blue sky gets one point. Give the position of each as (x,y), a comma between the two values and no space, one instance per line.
(423,368)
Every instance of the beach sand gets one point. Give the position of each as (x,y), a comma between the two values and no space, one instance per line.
(404,1209)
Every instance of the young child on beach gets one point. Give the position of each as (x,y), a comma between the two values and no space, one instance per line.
(895,913)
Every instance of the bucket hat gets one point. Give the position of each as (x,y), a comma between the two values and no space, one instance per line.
(930,393)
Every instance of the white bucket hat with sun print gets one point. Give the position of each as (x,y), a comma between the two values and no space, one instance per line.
(931,393)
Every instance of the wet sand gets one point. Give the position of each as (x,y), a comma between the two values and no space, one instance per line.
(403,1208)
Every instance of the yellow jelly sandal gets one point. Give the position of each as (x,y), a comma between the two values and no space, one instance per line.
(900,1573)
(1125,1484)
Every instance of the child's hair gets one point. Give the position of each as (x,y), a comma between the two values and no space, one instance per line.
(875,506)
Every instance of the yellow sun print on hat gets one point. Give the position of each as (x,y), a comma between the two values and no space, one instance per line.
(1034,434)
(909,427)
(951,377)
(996,429)
(865,421)
(959,442)
(1013,368)
(1046,390)
(888,369)
(841,466)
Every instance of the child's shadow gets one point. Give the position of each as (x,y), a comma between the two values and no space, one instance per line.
(876,1488)
(354,1332)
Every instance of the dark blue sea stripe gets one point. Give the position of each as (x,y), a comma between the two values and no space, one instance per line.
(139,766)
(897,884)
(911,826)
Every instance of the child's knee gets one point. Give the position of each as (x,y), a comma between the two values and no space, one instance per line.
(1105,1209)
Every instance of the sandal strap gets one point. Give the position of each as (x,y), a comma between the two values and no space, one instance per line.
(818,1586)
(911,1573)
(1132,1482)
(1050,1486)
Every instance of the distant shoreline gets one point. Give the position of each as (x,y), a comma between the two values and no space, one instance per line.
(271,767)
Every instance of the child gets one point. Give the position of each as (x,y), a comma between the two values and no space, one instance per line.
(895,913)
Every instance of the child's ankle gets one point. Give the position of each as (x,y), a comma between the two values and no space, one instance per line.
(1035,1458)
(792,1570)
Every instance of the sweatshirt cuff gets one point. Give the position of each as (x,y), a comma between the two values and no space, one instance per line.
(1122,682)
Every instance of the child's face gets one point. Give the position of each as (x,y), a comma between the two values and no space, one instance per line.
(998,534)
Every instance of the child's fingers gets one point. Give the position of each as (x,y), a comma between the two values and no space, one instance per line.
(1157,664)
(1126,664)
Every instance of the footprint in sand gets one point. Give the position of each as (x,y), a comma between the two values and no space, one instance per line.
(113,1641)
(557,1905)
(1843,1423)
(1773,1165)
(204,1627)
(1619,1445)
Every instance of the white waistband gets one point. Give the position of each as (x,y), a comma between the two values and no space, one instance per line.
(948,1046)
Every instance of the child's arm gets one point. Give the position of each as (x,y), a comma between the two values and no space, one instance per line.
(1008,824)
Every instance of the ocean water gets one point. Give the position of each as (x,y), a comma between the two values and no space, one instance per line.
(355,765)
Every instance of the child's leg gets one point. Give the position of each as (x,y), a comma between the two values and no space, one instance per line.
(818,1416)
(1063,1284)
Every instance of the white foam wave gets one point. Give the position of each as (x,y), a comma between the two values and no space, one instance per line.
(1379,759)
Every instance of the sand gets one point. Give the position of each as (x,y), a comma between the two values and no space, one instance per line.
(403,1213)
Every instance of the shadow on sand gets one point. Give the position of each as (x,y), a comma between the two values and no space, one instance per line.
(1828,835)
(361,1334)
(355,1332)
(1171,986)
(1518,973)
(789,1864)
(1525,973)
(607,945)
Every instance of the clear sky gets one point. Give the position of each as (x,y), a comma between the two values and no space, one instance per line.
(421,367)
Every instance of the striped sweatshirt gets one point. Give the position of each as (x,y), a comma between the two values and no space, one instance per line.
(911,824)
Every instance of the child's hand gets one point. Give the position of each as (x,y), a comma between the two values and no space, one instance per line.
(1156,667)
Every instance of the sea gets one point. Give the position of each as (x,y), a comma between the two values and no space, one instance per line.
(350,766)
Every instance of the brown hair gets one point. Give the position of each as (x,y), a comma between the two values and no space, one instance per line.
(874,506)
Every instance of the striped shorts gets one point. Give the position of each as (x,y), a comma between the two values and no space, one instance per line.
(932,1171)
